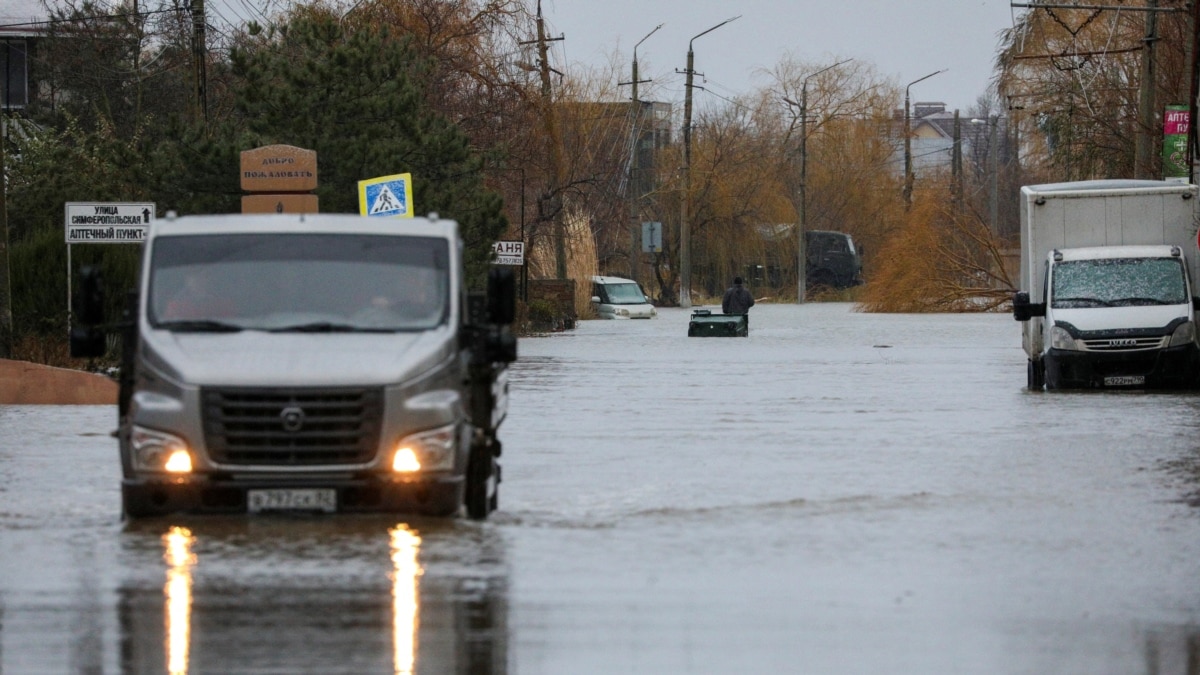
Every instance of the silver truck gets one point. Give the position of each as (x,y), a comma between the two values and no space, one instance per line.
(319,363)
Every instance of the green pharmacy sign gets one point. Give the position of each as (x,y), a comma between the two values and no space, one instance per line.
(1176,121)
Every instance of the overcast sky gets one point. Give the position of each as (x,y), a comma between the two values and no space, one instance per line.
(902,40)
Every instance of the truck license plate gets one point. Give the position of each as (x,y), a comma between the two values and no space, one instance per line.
(309,499)
(1124,381)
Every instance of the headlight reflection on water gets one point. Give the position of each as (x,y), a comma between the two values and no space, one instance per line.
(178,591)
(405,543)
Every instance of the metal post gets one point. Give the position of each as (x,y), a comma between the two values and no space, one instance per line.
(802,206)
(635,228)
(685,233)
(6,317)
(994,196)
(908,170)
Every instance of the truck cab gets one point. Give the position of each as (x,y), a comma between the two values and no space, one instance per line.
(1107,278)
(320,362)
(832,259)
(1114,316)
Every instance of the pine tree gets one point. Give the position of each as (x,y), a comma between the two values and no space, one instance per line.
(357,100)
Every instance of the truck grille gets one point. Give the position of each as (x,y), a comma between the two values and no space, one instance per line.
(1130,344)
(292,427)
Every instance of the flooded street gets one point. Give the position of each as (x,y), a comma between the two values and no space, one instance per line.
(838,493)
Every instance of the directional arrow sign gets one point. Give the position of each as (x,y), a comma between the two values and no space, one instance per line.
(107,222)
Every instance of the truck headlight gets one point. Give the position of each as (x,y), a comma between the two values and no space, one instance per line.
(621,311)
(431,450)
(1184,333)
(159,451)
(1060,338)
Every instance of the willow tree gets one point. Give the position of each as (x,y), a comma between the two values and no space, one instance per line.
(1078,77)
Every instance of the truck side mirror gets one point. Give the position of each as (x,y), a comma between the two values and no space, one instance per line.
(1195,303)
(89,302)
(1024,310)
(87,340)
(501,296)
(1021,307)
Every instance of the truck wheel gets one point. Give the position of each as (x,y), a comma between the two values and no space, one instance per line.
(1035,374)
(479,470)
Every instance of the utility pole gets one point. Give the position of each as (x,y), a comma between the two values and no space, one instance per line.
(199,59)
(635,250)
(994,196)
(802,197)
(6,317)
(956,167)
(554,150)
(685,232)
(1143,148)
(1193,53)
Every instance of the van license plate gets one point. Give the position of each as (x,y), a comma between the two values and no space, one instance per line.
(312,499)
(1125,381)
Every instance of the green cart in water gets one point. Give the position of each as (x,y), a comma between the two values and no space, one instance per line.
(706,324)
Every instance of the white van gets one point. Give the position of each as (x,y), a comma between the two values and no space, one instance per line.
(617,298)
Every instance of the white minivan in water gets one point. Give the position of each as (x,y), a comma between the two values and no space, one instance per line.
(617,298)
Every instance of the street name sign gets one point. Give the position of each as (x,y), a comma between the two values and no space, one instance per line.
(107,222)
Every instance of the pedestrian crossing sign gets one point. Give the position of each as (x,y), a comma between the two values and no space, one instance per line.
(388,196)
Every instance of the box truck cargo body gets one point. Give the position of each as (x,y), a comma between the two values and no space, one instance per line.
(1107,280)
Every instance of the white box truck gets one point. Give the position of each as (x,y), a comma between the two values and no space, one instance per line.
(319,362)
(1107,284)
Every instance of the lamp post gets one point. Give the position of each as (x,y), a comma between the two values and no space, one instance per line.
(908,171)
(635,251)
(685,246)
(801,205)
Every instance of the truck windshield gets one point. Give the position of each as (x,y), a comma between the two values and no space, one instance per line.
(298,282)
(1118,282)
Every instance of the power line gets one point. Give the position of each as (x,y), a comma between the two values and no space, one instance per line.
(123,15)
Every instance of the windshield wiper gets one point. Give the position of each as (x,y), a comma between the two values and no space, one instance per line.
(1144,301)
(200,326)
(1090,301)
(328,327)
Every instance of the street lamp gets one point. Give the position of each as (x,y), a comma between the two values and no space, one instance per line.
(685,246)
(801,221)
(908,172)
(635,251)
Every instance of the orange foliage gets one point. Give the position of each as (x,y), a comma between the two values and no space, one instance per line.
(938,261)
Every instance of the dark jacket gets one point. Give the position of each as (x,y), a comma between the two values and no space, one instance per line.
(737,300)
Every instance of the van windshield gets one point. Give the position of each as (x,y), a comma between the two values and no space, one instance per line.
(624,294)
(1118,282)
(298,282)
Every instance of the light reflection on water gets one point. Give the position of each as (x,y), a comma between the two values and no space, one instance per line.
(178,592)
(406,607)
(333,594)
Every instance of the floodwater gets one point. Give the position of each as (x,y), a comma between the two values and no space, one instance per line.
(840,492)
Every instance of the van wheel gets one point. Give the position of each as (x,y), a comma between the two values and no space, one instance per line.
(1035,375)
(479,470)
